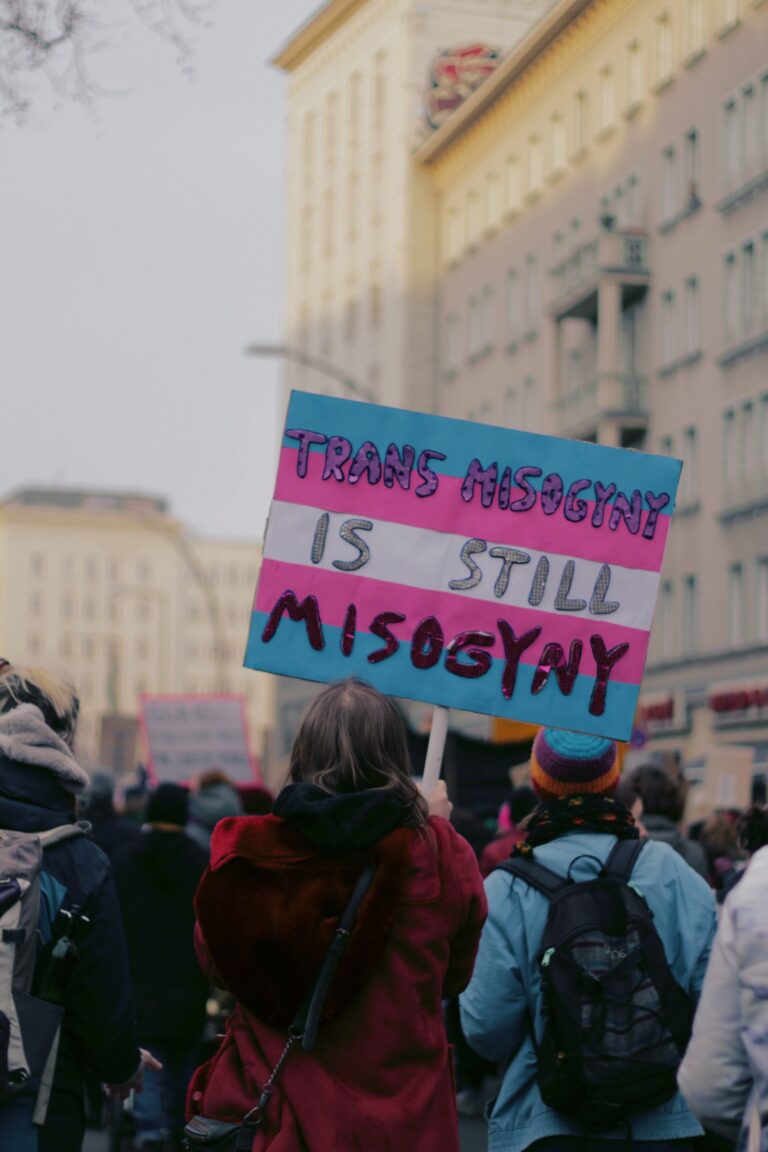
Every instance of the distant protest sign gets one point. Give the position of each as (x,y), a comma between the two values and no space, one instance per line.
(463,565)
(188,735)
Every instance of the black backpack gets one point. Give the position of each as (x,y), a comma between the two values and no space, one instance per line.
(616,1022)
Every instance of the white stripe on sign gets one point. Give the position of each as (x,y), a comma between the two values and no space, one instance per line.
(399,554)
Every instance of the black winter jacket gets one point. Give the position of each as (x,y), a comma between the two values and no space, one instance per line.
(98,1032)
(156,877)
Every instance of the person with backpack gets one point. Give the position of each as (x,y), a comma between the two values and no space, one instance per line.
(588,970)
(66,1009)
(276,893)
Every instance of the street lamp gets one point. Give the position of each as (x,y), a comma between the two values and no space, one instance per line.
(286,352)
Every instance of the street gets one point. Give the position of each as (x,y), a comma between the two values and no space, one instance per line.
(472,1138)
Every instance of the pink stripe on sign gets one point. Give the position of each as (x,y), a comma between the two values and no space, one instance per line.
(335,591)
(445,511)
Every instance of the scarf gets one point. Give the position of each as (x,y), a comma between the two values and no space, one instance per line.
(582,813)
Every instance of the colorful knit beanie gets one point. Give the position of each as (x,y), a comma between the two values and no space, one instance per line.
(570,763)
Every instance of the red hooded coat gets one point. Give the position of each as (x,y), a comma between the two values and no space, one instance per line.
(380,1077)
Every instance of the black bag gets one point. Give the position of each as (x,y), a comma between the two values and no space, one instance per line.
(224,1136)
(616,1022)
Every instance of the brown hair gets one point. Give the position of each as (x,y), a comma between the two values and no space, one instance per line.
(352,738)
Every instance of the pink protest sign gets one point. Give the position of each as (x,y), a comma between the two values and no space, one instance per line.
(188,735)
(462,565)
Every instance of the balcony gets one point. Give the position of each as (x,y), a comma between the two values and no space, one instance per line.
(619,256)
(618,398)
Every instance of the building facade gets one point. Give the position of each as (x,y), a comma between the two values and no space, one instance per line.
(359,258)
(602,273)
(111,591)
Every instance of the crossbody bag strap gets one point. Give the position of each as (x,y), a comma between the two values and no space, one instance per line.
(307,1020)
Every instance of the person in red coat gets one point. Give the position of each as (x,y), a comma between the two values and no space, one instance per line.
(380,1075)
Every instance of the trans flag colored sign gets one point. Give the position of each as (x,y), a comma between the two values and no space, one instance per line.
(461,564)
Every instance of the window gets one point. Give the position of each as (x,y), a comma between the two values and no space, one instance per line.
(355,86)
(329,222)
(353,199)
(761,583)
(510,408)
(453,235)
(558,143)
(535,164)
(379,94)
(634,205)
(331,116)
(730,300)
(689,480)
(487,319)
(580,121)
(747,445)
(728,12)
(324,327)
(492,211)
(474,219)
(37,564)
(750,132)
(691,173)
(748,290)
(731,147)
(512,189)
(668,328)
(89,608)
(634,74)
(528,414)
(350,321)
(451,344)
(306,237)
(666,620)
(374,304)
(695,28)
(530,293)
(66,606)
(736,605)
(668,183)
(606,104)
(729,452)
(692,337)
(690,618)
(663,49)
(513,304)
(474,328)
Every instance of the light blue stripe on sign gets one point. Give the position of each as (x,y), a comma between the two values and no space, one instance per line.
(290,654)
(462,440)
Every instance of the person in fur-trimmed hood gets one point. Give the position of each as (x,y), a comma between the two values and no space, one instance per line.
(380,1074)
(39,783)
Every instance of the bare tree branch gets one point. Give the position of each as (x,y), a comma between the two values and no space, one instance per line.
(55,38)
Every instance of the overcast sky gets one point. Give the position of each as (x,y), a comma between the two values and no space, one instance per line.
(140,251)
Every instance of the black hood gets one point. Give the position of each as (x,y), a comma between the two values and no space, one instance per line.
(31,799)
(342,821)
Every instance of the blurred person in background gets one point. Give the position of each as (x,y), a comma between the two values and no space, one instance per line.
(663,800)
(520,803)
(40,781)
(109,829)
(626,793)
(156,877)
(719,837)
(724,1076)
(213,797)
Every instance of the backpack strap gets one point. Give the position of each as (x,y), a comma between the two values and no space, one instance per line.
(544,880)
(623,858)
(63,832)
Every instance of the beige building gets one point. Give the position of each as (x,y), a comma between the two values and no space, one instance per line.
(110,590)
(602,272)
(581,248)
(359,269)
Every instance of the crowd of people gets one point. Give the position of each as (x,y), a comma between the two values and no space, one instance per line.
(597,972)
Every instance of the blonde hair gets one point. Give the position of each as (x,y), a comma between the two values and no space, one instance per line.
(55,697)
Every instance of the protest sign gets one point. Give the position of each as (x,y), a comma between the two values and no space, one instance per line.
(463,565)
(188,735)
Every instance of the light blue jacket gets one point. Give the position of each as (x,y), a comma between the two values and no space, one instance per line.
(505,990)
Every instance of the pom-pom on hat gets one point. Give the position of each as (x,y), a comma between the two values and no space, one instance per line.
(571,764)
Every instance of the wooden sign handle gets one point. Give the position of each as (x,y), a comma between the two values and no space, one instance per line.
(435,748)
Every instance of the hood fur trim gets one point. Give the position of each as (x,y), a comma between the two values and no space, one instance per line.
(25,738)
